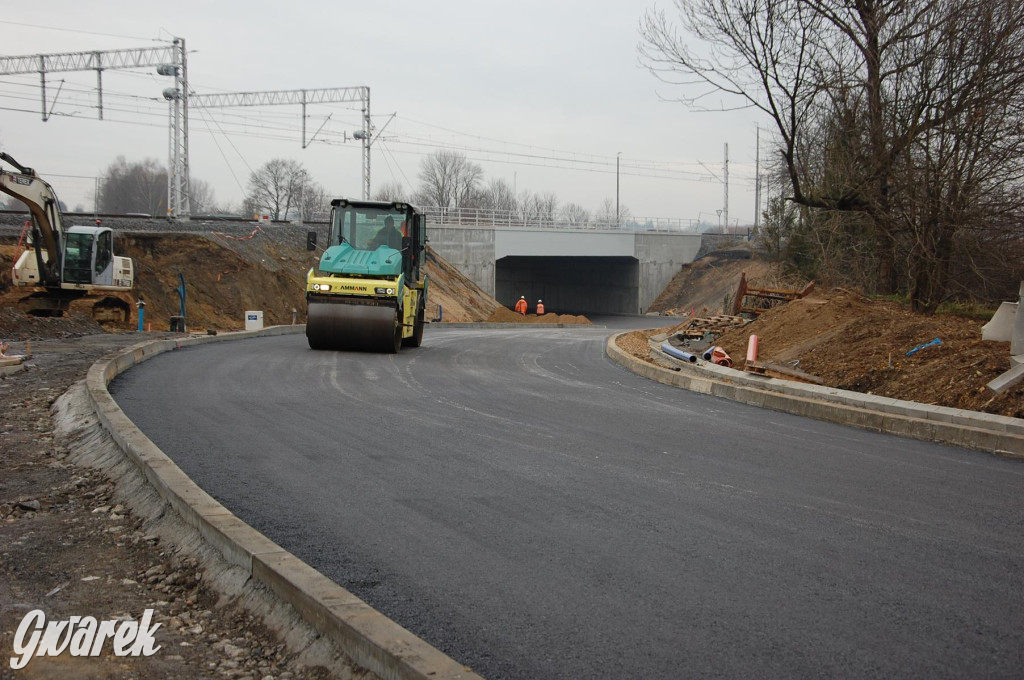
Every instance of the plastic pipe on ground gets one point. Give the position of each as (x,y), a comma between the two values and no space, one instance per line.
(721,357)
(752,348)
(678,353)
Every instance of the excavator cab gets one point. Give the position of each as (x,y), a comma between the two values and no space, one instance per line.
(89,259)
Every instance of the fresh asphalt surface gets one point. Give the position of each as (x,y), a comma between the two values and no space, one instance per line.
(536,511)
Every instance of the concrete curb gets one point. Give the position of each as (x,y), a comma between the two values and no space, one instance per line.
(1000,435)
(12,369)
(369,638)
(502,325)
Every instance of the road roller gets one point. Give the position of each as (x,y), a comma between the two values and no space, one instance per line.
(367,292)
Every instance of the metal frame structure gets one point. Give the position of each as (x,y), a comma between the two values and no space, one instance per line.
(335,95)
(179,202)
(170,60)
(85,61)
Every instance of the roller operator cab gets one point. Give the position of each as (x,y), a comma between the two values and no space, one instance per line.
(368,292)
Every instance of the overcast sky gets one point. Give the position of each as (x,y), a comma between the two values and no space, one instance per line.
(541,93)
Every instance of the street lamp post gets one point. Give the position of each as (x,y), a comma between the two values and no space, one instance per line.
(617,213)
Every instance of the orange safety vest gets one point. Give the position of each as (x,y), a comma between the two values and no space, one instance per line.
(521,306)
(540,308)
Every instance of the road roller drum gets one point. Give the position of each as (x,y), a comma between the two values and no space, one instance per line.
(354,327)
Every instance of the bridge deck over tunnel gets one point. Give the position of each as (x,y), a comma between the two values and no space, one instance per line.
(573,271)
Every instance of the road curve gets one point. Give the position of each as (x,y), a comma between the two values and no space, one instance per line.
(536,511)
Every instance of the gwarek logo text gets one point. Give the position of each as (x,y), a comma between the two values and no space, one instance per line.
(82,636)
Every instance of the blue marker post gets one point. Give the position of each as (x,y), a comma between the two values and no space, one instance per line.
(141,304)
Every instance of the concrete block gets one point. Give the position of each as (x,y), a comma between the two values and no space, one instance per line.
(1000,326)
(943,414)
(238,542)
(11,369)
(1017,341)
(1010,378)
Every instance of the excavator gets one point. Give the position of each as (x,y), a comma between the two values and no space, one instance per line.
(367,292)
(65,265)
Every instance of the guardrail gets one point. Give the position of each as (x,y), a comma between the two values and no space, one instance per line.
(464,217)
(485,217)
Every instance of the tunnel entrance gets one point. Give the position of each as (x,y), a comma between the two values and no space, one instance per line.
(570,285)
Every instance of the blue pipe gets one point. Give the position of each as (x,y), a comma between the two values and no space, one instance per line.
(667,348)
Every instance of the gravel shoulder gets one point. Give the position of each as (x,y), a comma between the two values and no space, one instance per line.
(71,546)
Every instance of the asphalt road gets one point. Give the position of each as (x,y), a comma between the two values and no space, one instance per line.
(536,511)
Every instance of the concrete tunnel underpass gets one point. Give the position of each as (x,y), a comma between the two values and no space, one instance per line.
(570,284)
(574,271)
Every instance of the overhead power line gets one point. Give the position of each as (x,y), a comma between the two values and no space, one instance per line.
(77,30)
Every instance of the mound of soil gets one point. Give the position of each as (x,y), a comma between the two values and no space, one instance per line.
(855,343)
(709,282)
(859,344)
(220,283)
(225,276)
(506,315)
(460,299)
(15,325)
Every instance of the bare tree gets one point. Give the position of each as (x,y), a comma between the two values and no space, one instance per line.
(606,217)
(314,202)
(276,187)
(526,207)
(499,196)
(448,179)
(137,187)
(390,191)
(905,114)
(547,207)
(575,214)
(201,198)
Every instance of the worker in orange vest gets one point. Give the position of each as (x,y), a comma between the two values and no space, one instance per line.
(540,308)
(521,305)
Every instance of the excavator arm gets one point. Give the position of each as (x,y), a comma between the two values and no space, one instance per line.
(41,200)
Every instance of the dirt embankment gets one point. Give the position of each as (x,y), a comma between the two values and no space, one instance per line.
(711,281)
(226,275)
(460,299)
(859,344)
(848,340)
(856,343)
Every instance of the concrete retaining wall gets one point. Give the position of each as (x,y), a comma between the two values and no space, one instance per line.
(368,637)
(471,251)
(575,271)
(1000,435)
(662,256)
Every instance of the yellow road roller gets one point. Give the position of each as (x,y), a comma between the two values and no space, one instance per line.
(367,293)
